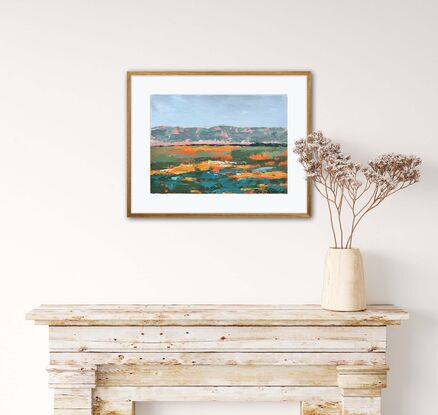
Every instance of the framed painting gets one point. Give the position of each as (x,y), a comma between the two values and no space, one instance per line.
(217,144)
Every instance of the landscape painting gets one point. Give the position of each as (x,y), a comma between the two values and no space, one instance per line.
(218,144)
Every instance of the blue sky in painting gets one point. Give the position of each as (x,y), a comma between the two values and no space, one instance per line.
(212,110)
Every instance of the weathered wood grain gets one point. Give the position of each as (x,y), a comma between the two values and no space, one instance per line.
(358,378)
(224,393)
(73,398)
(66,376)
(113,407)
(321,408)
(218,358)
(222,315)
(361,392)
(143,375)
(361,406)
(72,411)
(106,357)
(231,339)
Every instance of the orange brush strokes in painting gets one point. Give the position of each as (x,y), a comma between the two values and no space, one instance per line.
(247,166)
(213,165)
(260,156)
(180,169)
(262,175)
(282,163)
(228,157)
(189,168)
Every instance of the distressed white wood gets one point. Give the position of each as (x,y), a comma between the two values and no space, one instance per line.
(361,387)
(218,358)
(321,408)
(222,315)
(73,398)
(361,392)
(221,393)
(68,376)
(179,375)
(216,338)
(113,407)
(361,406)
(73,401)
(361,379)
(105,357)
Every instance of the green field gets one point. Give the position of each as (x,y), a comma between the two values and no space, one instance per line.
(219,169)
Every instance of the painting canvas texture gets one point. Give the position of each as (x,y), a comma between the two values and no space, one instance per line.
(218,144)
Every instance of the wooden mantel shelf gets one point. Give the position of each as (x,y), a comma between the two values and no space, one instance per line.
(103,358)
(215,315)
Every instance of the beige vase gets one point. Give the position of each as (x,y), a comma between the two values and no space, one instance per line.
(344,285)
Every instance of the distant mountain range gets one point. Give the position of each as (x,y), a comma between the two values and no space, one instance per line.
(221,134)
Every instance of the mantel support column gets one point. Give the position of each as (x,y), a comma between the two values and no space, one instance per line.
(361,388)
(73,387)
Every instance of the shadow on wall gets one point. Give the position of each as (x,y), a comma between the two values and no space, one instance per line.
(406,343)
(378,277)
(405,346)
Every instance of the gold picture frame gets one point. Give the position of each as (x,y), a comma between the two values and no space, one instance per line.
(306,213)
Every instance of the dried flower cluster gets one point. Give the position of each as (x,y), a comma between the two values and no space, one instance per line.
(342,181)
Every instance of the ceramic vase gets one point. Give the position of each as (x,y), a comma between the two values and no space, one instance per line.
(344,285)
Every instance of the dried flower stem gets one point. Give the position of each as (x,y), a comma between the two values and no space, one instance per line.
(335,177)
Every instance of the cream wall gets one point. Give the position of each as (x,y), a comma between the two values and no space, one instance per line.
(63,228)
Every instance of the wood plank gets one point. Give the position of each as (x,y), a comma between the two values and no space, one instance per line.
(179,375)
(65,376)
(197,339)
(361,406)
(218,358)
(73,398)
(359,378)
(222,315)
(113,407)
(362,381)
(321,408)
(225,394)
(362,392)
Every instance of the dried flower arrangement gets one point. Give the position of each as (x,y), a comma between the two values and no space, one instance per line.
(343,182)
